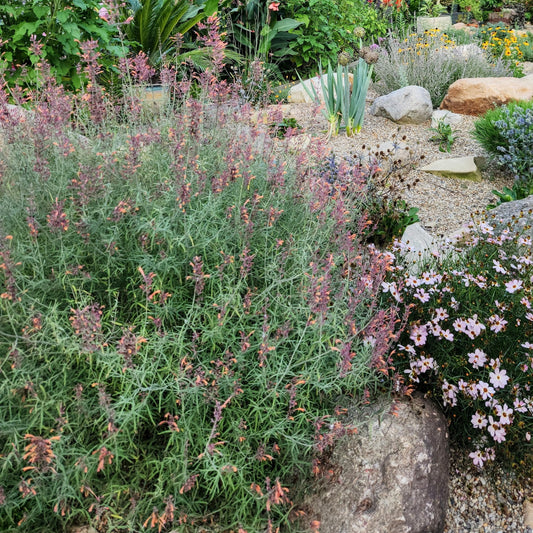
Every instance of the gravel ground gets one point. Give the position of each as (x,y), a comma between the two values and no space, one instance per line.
(491,500)
(445,204)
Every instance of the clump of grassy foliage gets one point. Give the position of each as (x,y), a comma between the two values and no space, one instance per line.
(186,309)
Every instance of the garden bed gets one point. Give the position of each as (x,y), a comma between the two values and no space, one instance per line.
(445,204)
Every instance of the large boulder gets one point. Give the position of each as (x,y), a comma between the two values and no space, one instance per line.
(475,96)
(408,105)
(392,474)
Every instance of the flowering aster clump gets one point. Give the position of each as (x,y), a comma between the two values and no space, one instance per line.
(469,338)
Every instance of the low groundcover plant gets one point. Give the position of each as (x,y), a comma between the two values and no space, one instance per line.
(468,342)
(187,308)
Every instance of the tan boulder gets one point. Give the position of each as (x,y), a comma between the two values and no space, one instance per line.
(455,167)
(475,96)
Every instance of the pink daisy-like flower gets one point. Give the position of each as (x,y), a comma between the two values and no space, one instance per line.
(497,323)
(460,325)
(449,394)
(440,314)
(477,358)
(273,6)
(499,434)
(478,458)
(393,289)
(486,228)
(499,378)
(446,334)
(520,406)
(498,267)
(513,285)
(479,420)
(419,335)
(474,327)
(472,390)
(422,295)
(411,281)
(409,349)
(426,363)
(505,414)
(485,390)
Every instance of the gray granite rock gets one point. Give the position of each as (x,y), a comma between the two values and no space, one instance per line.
(408,105)
(446,117)
(517,215)
(392,474)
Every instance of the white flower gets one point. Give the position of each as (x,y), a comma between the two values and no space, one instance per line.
(479,420)
(513,285)
(499,378)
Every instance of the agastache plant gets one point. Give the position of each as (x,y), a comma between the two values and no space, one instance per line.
(181,304)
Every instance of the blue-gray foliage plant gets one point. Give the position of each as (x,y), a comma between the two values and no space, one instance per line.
(516,126)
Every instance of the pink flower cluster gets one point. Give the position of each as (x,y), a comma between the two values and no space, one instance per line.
(466,333)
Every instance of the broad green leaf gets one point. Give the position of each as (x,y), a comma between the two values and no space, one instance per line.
(25,28)
(41,11)
(286,25)
(304,19)
(73,30)
(211,7)
(63,16)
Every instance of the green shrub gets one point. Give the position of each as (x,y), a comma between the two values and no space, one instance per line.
(432,61)
(187,308)
(57,27)
(328,27)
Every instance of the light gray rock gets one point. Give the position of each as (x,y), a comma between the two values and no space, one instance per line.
(408,105)
(392,474)
(446,117)
(527,67)
(455,167)
(419,243)
(517,215)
